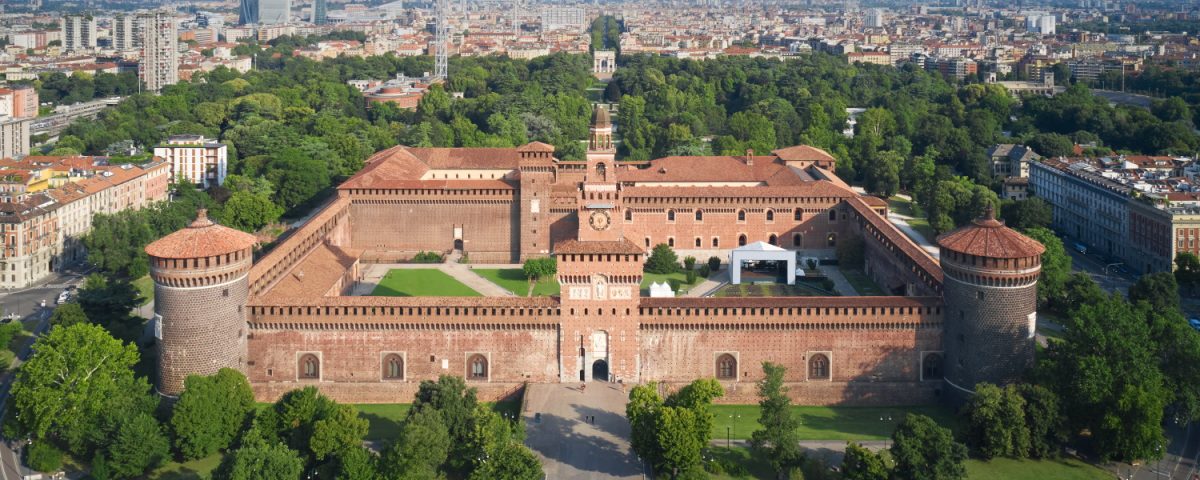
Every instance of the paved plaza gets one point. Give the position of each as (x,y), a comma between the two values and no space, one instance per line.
(571,447)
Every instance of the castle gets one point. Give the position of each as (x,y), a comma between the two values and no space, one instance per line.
(288,319)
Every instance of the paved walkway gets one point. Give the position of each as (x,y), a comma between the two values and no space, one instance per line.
(373,273)
(839,281)
(571,447)
(710,284)
(901,222)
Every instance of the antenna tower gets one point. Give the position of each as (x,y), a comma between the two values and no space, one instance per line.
(442,41)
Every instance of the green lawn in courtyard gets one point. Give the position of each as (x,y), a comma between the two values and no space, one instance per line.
(423,282)
(861,282)
(829,423)
(678,281)
(191,470)
(513,280)
(145,286)
(1009,469)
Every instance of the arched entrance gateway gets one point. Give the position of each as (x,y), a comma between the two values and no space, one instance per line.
(600,371)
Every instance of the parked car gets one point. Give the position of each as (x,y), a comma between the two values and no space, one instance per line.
(10,317)
(64,297)
(1081,248)
(1195,323)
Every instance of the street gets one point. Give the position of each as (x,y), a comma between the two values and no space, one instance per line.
(1109,280)
(27,302)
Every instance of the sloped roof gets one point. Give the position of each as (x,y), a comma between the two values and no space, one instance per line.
(759,246)
(803,153)
(988,237)
(202,238)
(622,246)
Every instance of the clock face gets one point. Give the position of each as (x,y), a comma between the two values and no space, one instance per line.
(599,220)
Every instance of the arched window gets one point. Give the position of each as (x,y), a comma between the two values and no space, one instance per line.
(671,242)
(741,215)
(670,215)
(797,239)
(699,215)
(716,242)
(741,240)
(831,239)
(393,367)
(773,240)
(798,215)
(932,367)
(628,215)
(770,215)
(726,367)
(697,242)
(310,366)
(818,367)
(832,215)
(477,367)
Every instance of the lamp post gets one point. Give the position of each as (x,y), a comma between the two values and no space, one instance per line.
(727,438)
(1107,278)
(1159,451)
(885,419)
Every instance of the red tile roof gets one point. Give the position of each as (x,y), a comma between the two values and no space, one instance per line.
(202,238)
(803,153)
(988,237)
(776,302)
(622,246)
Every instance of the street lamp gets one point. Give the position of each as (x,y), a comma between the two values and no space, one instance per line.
(1107,278)
(1159,451)
(885,419)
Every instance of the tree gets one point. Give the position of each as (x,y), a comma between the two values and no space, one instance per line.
(778,439)
(210,412)
(1107,373)
(9,331)
(537,269)
(76,376)
(676,429)
(1044,419)
(1159,289)
(338,432)
(358,464)
(139,445)
(862,464)
(642,412)
(249,212)
(510,460)
(297,178)
(1025,214)
(455,403)
(108,302)
(66,315)
(923,450)
(1056,266)
(422,447)
(1052,145)
(882,173)
(662,260)
(1187,271)
(996,421)
(261,461)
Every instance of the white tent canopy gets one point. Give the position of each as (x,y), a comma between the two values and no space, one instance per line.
(760,251)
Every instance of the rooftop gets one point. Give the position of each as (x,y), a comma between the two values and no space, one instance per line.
(203,238)
(988,237)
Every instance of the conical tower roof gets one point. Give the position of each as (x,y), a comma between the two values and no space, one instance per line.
(600,117)
(988,237)
(202,238)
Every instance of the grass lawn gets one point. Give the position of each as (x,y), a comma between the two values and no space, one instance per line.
(755,465)
(195,469)
(145,286)
(829,423)
(421,283)
(1009,469)
(921,225)
(861,282)
(678,281)
(513,280)
(383,419)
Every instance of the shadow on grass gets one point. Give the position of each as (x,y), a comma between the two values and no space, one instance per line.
(183,473)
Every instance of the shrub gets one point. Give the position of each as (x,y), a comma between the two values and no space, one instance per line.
(714,264)
(43,457)
(662,260)
(691,277)
(427,257)
(827,284)
(812,264)
(689,262)
(705,271)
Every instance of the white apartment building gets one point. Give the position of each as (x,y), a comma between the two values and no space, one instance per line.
(554,18)
(79,33)
(196,159)
(159,65)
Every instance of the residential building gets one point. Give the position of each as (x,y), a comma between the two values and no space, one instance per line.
(79,33)
(195,159)
(1160,229)
(14,137)
(1088,207)
(559,17)
(125,33)
(159,64)
(1010,160)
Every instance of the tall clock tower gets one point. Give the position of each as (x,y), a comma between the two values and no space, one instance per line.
(600,211)
(600,274)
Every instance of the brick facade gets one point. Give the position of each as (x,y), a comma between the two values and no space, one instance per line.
(304,329)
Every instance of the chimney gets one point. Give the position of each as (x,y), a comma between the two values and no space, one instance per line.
(750,157)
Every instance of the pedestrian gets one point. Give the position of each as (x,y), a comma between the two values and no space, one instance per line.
(582,386)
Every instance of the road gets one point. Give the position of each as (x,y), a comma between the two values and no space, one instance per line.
(1095,268)
(27,302)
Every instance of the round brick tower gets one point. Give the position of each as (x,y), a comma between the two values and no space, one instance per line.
(990,290)
(200,288)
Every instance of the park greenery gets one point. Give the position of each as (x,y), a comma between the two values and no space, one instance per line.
(538,269)
(78,395)
(670,434)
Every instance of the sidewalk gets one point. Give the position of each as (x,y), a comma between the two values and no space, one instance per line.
(839,281)
(710,284)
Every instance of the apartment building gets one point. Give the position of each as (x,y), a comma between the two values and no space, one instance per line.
(79,33)
(196,159)
(14,137)
(43,231)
